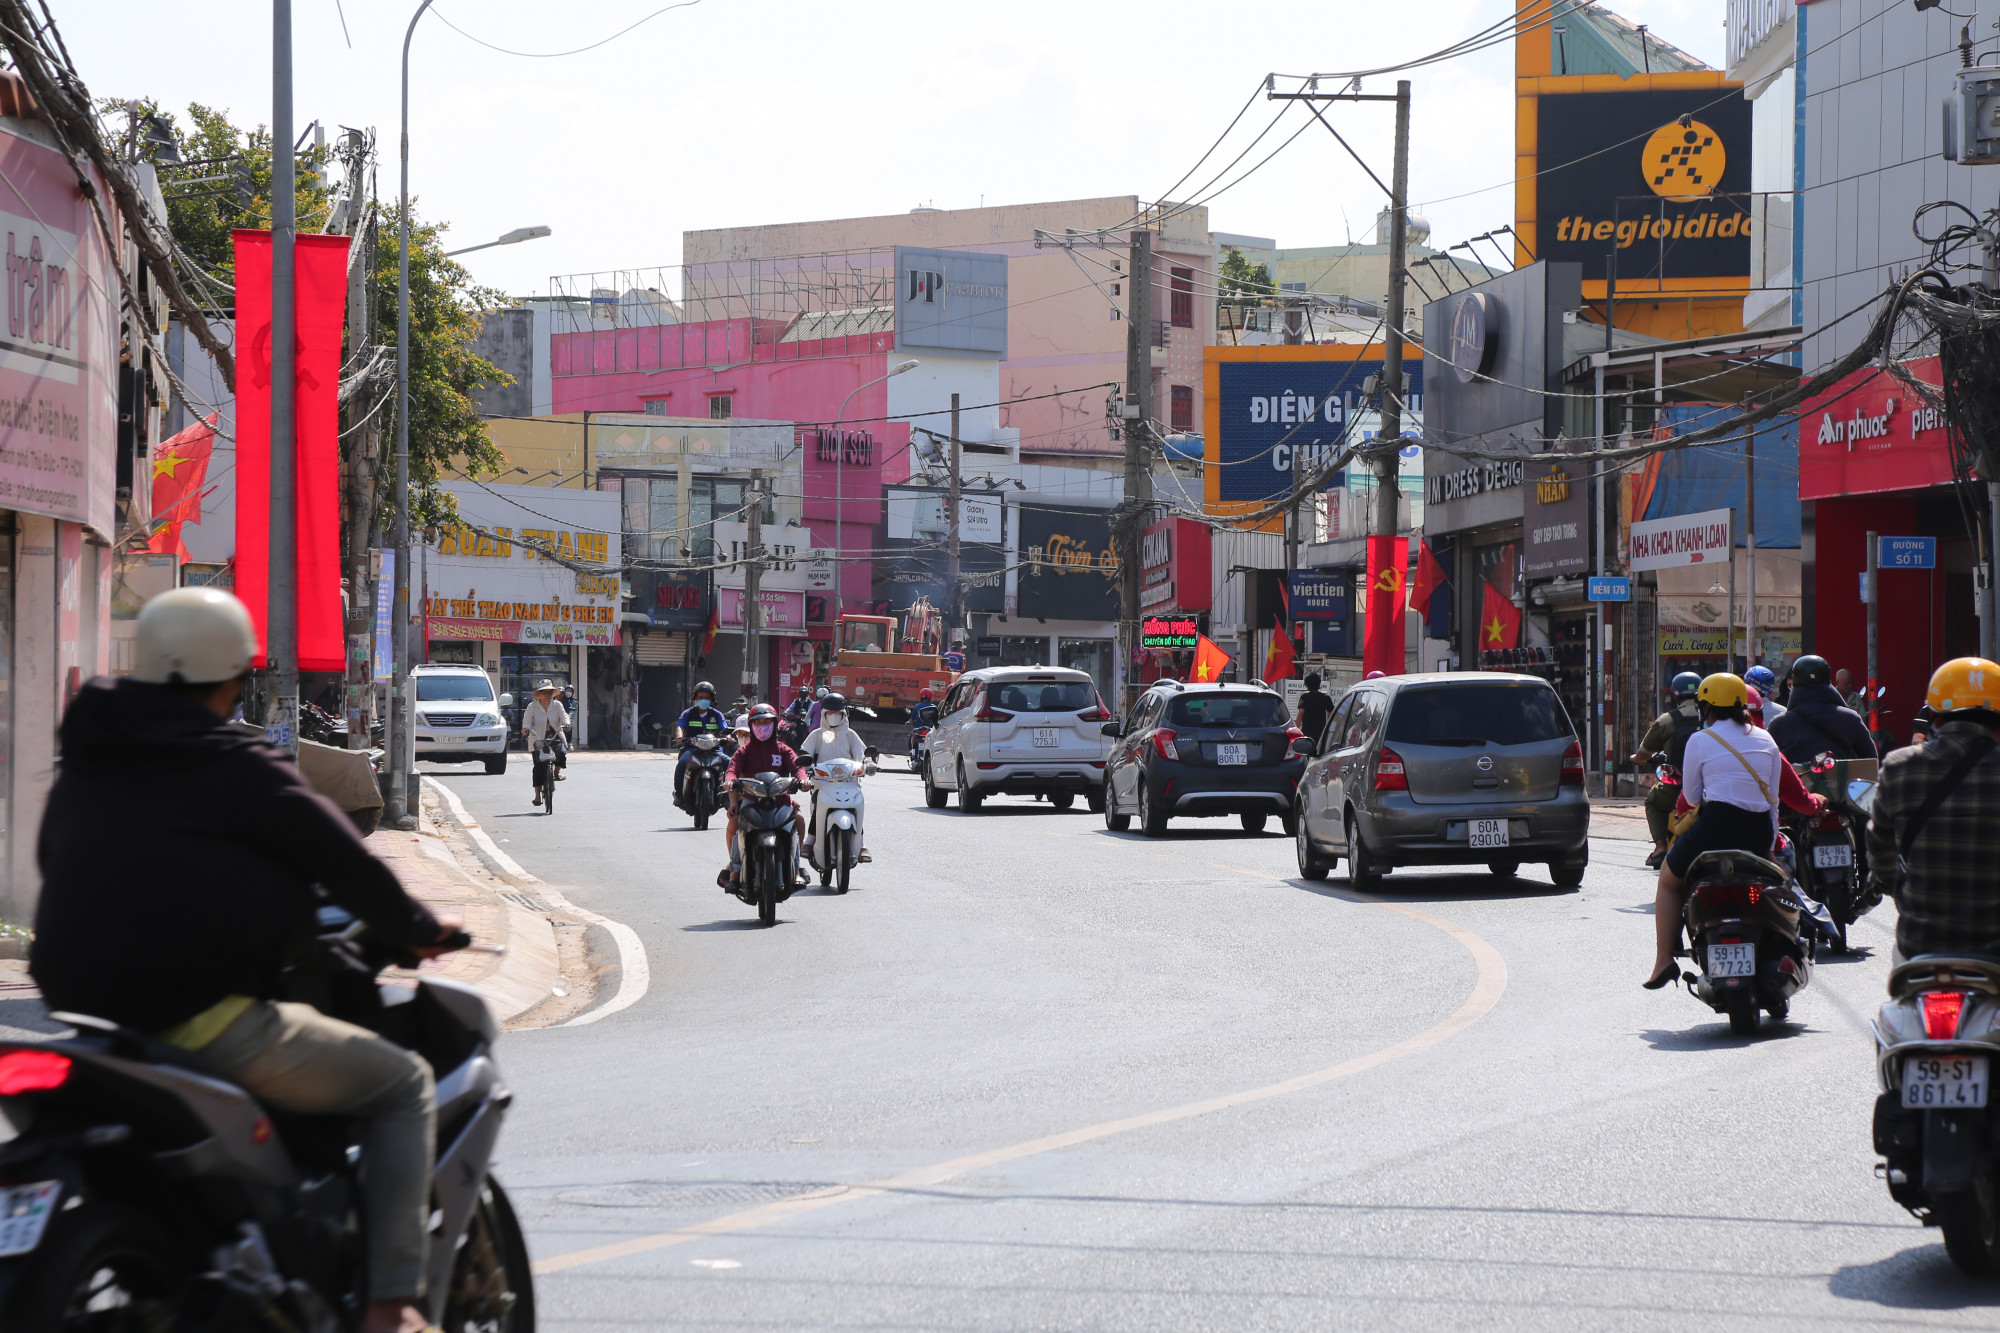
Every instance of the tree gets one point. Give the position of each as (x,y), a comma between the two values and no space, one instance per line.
(1244,283)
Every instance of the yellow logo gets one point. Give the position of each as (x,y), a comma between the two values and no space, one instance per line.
(1684,162)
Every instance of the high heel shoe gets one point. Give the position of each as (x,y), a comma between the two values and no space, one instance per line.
(1670,974)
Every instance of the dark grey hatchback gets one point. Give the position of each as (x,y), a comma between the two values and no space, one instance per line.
(1202,750)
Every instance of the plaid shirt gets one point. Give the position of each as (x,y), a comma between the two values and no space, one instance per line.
(1950,900)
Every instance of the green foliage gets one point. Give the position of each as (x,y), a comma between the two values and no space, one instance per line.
(1247,282)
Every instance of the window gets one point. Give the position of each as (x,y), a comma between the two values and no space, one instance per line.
(1183,298)
(1363,722)
(719,407)
(442,688)
(1476,715)
(1336,726)
(1180,412)
(1029,696)
(1246,709)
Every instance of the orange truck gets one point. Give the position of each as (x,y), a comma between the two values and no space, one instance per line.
(878,668)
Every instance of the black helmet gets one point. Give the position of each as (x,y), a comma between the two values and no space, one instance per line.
(702,687)
(833,703)
(1685,685)
(1811,670)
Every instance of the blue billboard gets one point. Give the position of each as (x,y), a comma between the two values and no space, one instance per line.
(1274,415)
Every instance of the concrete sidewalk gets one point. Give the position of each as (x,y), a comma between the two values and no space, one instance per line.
(1619,817)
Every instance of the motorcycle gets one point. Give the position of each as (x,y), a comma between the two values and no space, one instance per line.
(920,748)
(144,1193)
(837,812)
(1744,930)
(764,824)
(706,773)
(1832,847)
(1936,1123)
(792,730)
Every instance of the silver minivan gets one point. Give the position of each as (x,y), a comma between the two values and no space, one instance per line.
(1459,768)
(1021,731)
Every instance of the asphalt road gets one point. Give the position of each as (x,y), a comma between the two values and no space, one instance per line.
(1032,1074)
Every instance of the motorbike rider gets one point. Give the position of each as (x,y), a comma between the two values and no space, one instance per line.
(813,713)
(834,739)
(1730,773)
(701,718)
(1930,837)
(763,752)
(1669,735)
(1765,681)
(545,717)
(925,714)
(1818,721)
(181,926)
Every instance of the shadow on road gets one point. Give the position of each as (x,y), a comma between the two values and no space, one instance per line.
(1919,1278)
(734,923)
(1436,889)
(1718,1037)
(1856,953)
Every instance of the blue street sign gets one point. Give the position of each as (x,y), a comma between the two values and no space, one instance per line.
(1907,553)
(1605,588)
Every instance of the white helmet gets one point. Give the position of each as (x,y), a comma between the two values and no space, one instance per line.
(193,636)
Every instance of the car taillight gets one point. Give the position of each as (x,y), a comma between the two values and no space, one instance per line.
(1163,744)
(1572,774)
(988,713)
(1097,714)
(32,1071)
(1389,775)
(1941,1013)
(1293,734)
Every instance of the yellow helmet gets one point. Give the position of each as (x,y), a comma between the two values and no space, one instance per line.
(1965,682)
(1723,690)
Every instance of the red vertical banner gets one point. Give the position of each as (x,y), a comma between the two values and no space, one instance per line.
(320,266)
(1382,630)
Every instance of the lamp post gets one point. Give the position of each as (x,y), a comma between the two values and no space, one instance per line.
(401,750)
(839,489)
(514,237)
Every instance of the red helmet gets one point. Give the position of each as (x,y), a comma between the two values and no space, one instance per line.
(924,695)
(762,713)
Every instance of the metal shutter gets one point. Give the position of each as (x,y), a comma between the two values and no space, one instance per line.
(660,647)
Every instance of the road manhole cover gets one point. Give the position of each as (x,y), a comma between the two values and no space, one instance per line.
(675,1195)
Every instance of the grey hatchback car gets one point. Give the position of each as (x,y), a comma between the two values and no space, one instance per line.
(1458,768)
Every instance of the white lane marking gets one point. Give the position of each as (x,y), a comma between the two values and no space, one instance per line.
(1487,988)
(634,973)
(715,1263)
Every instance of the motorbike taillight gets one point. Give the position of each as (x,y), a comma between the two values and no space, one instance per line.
(1829,822)
(1716,897)
(32,1071)
(1942,1010)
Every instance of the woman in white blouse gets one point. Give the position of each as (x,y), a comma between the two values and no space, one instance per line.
(1731,771)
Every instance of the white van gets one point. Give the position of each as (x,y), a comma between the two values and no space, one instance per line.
(1019,731)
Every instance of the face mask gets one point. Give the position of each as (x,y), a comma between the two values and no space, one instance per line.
(834,720)
(763,730)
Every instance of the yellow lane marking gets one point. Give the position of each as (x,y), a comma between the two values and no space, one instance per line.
(1487,988)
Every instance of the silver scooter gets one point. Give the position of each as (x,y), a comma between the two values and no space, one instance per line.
(838,807)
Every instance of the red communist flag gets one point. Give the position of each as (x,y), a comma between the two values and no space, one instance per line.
(1382,630)
(180,469)
(1499,621)
(1429,578)
(320,265)
(1209,661)
(1278,661)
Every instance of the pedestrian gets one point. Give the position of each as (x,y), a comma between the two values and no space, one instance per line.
(1315,707)
(1843,682)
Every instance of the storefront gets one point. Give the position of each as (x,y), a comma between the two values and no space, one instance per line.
(1066,598)
(1174,597)
(667,648)
(524,586)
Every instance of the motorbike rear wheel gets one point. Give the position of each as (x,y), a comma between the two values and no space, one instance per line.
(102,1268)
(1743,1013)
(491,1289)
(1970,1220)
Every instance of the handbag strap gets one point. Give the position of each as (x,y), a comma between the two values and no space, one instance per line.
(1745,762)
(1971,759)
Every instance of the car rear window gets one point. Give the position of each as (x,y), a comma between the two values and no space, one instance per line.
(1477,715)
(1043,696)
(432,689)
(1248,709)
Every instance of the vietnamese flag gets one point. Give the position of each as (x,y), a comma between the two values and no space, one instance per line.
(714,624)
(1429,578)
(1278,662)
(1382,629)
(1499,621)
(180,469)
(1209,661)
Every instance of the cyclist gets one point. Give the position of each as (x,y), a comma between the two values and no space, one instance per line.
(545,718)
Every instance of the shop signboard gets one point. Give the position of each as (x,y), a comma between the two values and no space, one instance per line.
(526,564)
(788,555)
(1281,413)
(1169,633)
(906,571)
(951,301)
(1321,594)
(1870,433)
(673,601)
(783,611)
(1555,520)
(385,621)
(1683,642)
(1683,539)
(1174,566)
(1068,568)
(917,513)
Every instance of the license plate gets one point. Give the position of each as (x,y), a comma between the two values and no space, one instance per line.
(1944,1081)
(1238,753)
(24,1214)
(1833,854)
(1045,738)
(1732,960)
(1487,832)
(452,740)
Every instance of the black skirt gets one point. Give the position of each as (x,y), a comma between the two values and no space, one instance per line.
(1722,827)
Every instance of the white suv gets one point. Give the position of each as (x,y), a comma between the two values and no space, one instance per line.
(458,717)
(1022,731)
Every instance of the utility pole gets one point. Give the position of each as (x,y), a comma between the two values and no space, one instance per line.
(1750,542)
(753,577)
(1135,421)
(1874,601)
(1383,523)
(281,634)
(954,587)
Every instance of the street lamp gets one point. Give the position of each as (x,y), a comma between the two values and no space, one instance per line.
(514,237)
(839,469)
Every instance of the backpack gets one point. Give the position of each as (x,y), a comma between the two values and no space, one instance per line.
(1684,727)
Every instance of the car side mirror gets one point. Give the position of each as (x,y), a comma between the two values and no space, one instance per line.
(506,701)
(1109,729)
(1304,745)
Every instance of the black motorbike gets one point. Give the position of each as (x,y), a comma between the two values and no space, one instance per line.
(143,1193)
(769,838)
(1833,849)
(1744,935)
(920,745)
(707,771)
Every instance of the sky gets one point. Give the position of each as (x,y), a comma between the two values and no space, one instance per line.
(738,112)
